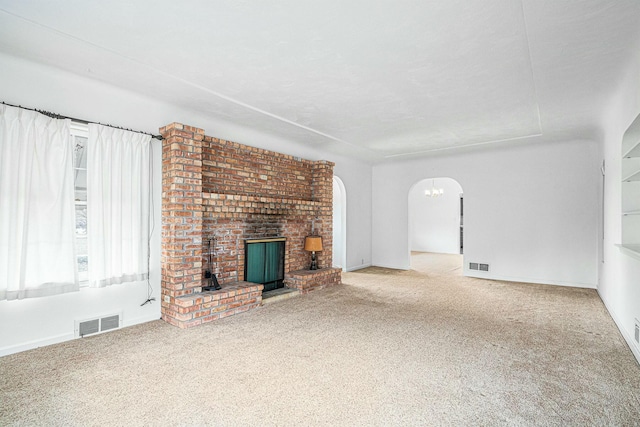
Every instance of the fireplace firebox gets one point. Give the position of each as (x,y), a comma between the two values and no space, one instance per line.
(264,262)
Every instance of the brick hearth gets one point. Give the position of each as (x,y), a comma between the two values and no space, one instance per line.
(229,192)
(306,280)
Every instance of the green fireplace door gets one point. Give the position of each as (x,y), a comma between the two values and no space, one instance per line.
(265,264)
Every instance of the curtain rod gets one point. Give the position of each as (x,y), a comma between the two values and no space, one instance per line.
(86,122)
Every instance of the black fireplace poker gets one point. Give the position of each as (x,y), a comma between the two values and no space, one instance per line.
(208,274)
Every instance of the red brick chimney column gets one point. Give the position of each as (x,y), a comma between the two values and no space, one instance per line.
(322,192)
(181,217)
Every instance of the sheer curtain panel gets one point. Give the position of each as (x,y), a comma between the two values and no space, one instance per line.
(117,205)
(37,222)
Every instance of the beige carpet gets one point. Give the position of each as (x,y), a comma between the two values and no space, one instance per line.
(386,348)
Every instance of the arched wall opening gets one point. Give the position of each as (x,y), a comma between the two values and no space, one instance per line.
(436,223)
(339,224)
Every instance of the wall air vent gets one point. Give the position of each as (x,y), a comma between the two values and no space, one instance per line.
(111,322)
(473,266)
(88,327)
(637,331)
(484,267)
(99,324)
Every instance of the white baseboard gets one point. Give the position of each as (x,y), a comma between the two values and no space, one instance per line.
(628,337)
(138,320)
(358,267)
(392,267)
(489,276)
(5,351)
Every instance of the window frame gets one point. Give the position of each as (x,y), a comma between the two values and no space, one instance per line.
(80,130)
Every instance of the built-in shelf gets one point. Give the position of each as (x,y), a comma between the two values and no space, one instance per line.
(634,151)
(631,250)
(635,176)
(630,194)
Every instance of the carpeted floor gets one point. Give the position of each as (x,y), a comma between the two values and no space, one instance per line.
(387,347)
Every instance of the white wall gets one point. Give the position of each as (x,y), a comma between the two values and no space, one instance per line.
(34,322)
(356,178)
(531,210)
(434,222)
(619,285)
(31,323)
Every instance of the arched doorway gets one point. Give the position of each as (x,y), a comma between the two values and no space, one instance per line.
(436,225)
(339,224)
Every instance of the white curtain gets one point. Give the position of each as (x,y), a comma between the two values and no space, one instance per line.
(117,205)
(37,216)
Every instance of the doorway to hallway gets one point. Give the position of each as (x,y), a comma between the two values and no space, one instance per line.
(437,264)
(436,220)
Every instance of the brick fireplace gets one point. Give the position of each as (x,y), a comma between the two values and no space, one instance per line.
(227,193)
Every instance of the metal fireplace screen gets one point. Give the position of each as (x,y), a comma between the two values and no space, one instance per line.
(264,262)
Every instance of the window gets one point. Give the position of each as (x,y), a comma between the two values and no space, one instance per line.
(80,134)
(51,240)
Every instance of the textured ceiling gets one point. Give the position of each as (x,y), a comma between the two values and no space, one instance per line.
(375,79)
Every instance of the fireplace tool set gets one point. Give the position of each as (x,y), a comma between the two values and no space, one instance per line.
(209,274)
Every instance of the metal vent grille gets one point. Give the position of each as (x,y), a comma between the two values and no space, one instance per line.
(484,267)
(88,327)
(637,331)
(111,322)
(473,266)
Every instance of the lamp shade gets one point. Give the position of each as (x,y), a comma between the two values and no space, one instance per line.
(313,243)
